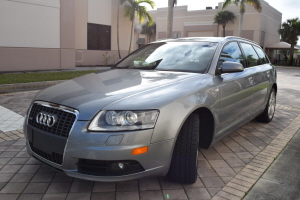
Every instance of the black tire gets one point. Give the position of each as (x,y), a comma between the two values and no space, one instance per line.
(268,115)
(183,168)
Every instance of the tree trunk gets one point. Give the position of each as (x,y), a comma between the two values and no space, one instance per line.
(292,55)
(218,26)
(131,35)
(224,31)
(170,18)
(118,36)
(241,24)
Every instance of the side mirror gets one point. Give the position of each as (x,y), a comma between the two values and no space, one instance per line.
(231,67)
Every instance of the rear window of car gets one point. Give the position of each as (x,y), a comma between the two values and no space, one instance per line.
(172,56)
(263,59)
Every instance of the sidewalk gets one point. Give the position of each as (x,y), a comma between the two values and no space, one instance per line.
(281,180)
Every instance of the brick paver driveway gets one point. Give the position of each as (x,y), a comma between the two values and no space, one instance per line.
(226,171)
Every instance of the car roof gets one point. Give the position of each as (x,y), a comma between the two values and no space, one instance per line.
(206,39)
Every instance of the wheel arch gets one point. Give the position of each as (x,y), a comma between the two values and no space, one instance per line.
(207,127)
(275,87)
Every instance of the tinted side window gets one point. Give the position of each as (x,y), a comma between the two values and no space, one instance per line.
(251,56)
(262,56)
(231,52)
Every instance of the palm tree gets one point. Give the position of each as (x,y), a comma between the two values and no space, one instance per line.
(120,2)
(134,8)
(289,33)
(223,17)
(171,4)
(148,30)
(241,3)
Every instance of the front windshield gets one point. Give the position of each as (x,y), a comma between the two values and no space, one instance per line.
(172,56)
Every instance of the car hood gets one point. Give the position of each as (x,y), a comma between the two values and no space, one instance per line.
(90,93)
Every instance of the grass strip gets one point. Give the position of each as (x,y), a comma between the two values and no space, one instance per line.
(40,77)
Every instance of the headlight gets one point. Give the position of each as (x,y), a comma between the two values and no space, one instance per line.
(123,120)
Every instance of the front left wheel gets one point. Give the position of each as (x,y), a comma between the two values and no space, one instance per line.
(184,164)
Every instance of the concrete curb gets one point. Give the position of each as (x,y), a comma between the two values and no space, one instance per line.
(5,88)
(241,184)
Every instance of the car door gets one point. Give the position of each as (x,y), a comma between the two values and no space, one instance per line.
(263,80)
(260,75)
(236,91)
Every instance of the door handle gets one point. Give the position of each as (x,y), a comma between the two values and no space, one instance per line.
(251,80)
(268,74)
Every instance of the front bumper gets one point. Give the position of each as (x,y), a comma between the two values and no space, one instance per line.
(82,144)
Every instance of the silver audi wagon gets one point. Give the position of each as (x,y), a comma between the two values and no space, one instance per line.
(149,114)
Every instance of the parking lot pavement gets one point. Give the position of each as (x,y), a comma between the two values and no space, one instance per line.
(226,171)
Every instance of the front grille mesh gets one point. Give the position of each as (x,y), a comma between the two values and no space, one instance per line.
(54,157)
(62,127)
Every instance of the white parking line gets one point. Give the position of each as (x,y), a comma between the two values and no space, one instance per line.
(9,120)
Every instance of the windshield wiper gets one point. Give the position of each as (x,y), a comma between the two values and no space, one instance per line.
(141,67)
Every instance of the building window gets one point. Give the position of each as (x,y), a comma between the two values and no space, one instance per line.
(99,37)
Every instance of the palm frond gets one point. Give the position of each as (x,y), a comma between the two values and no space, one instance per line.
(129,12)
(149,2)
(255,3)
(227,3)
(223,17)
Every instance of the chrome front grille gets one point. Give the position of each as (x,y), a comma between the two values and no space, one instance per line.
(64,121)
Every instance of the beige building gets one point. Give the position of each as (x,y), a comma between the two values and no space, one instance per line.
(59,34)
(62,34)
(259,27)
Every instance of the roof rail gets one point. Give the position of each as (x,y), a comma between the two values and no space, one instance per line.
(240,38)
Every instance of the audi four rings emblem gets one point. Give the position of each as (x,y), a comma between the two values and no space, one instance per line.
(46,119)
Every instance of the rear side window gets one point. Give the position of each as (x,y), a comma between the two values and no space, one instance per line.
(232,52)
(262,56)
(251,56)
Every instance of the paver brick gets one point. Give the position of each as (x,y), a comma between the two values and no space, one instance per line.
(200,193)
(36,188)
(233,191)
(127,195)
(227,195)
(212,182)
(55,196)
(238,187)
(81,187)
(103,195)
(151,195)
(30,196)
(79,196)
(175,194)
(60,187)
(149,184)
(104,187)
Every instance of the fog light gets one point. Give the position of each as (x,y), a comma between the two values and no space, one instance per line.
(121,165)
(118,167)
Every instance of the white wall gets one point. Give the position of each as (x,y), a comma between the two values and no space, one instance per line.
(30,23)
(99,11)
